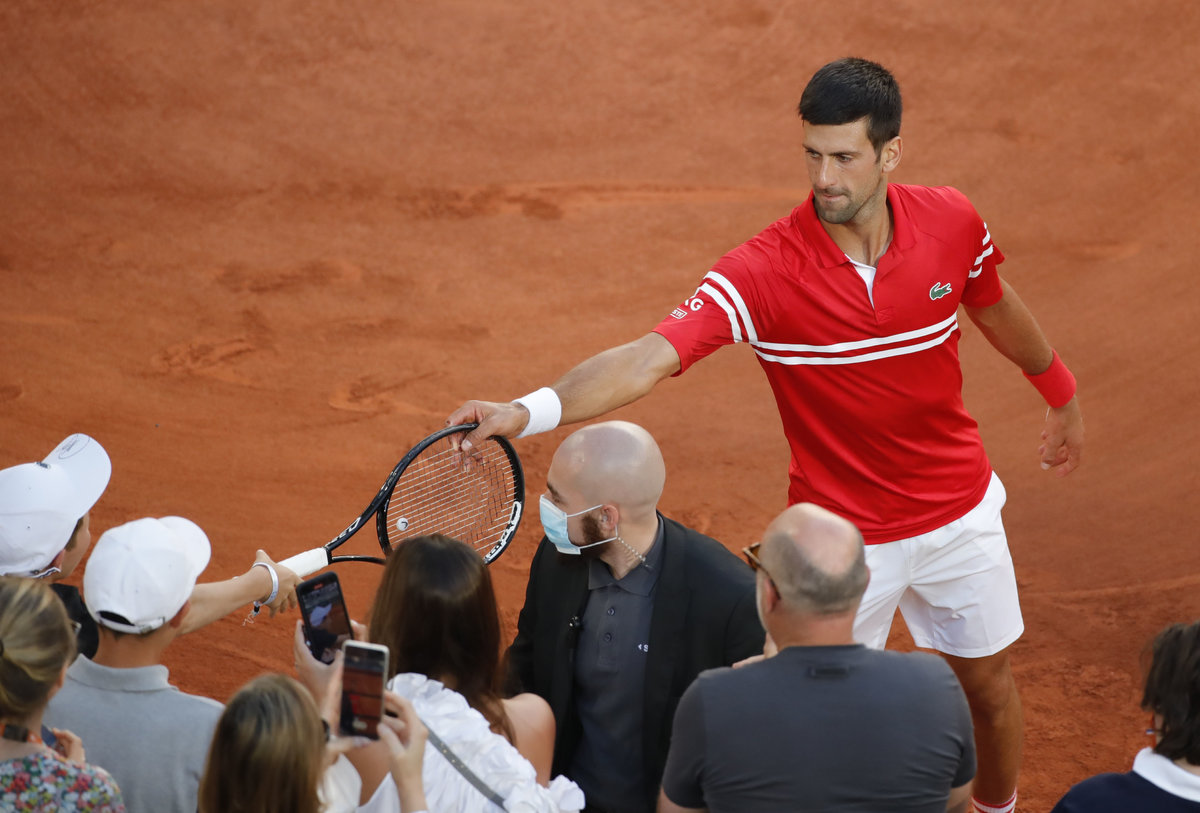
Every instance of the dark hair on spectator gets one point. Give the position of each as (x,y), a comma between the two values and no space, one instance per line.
(36,642)
(435,611)
(1173,691)
(849,89)
(267,752)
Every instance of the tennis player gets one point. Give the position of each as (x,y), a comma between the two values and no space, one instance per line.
(851,305)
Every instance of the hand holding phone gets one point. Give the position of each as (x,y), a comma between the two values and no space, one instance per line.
(323,609)
(364,675)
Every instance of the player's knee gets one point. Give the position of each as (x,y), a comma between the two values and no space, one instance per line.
(988,683)
(991,694)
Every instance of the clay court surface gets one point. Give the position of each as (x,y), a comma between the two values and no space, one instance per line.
(258,250)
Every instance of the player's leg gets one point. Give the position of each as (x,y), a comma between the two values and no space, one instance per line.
(888,566)
(996,713)
(964,604)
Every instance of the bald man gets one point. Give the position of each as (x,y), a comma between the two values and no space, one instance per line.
(825,724)
(623,609)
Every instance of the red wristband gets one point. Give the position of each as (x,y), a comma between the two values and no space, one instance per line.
(1056,385)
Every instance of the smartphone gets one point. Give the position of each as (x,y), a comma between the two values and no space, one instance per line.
(326,622)
(364,673)
(49,738)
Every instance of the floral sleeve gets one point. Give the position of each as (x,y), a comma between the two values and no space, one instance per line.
(45,782)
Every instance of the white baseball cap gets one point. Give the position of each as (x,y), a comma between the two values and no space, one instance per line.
(143,572)
(41,502)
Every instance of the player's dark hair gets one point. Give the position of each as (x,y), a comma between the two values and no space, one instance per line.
(1173,691)
(849,89)
(436,612)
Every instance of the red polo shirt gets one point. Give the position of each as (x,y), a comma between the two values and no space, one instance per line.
(870,393)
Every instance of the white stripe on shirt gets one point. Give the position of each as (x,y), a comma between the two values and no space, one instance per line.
(751,333)
(881,354)
(720,299)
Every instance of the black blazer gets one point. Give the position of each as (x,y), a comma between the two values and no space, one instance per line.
(704,617)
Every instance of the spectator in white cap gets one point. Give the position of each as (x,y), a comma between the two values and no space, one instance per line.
(44,513)
(44,533)
(150,736)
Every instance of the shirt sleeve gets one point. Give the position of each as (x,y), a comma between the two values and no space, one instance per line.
(684,771)
(717,314)
(983,280)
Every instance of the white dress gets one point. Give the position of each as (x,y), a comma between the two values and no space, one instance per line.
(490,757)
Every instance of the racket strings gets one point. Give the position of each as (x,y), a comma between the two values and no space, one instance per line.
(437,494)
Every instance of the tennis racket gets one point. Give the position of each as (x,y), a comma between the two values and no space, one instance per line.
(431,491)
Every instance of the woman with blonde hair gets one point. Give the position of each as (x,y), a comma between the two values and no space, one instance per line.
(37,644)
(271,749)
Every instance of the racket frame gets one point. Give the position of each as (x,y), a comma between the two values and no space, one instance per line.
(309,562)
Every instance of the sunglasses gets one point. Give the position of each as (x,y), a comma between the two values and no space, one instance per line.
(751,554)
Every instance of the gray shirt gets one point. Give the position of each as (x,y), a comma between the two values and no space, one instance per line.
(822,728)
(610,669)
(150,736)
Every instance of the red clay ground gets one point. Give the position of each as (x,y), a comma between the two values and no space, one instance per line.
(259,249)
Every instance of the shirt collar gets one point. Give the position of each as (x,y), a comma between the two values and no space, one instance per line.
(827,253)
(640,580)
(136,679)
(1162,772)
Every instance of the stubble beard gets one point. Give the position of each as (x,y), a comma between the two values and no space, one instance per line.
(839,215)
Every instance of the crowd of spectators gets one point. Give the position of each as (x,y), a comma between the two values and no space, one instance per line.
(651,669)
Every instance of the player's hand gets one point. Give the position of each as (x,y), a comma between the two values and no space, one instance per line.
(404,735)
(68,746)
(1062,438)
(506,420)
(285,599)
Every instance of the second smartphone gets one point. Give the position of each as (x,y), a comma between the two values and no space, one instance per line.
(364,675)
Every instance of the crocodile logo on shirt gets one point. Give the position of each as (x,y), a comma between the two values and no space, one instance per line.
(939,290)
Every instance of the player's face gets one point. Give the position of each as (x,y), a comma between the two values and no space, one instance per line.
(848,179)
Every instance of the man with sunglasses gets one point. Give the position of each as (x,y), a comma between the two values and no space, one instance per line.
(624,607)
(825,723)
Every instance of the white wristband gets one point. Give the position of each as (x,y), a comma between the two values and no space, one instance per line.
(545,411)
(274,584)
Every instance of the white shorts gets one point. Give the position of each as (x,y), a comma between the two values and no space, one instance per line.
(955,586)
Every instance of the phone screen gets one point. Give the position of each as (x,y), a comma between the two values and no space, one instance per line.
(363,676)
(48,737)
(326,623)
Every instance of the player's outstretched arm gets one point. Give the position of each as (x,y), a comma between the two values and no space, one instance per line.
(613,378)
(1010,327)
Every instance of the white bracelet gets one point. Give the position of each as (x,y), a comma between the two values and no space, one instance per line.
(545,411)
(274,584)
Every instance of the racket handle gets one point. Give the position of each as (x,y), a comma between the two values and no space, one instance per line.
(307,563)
